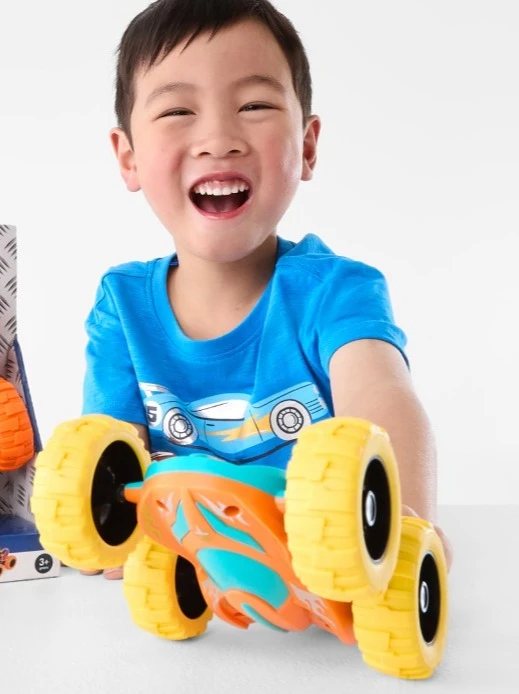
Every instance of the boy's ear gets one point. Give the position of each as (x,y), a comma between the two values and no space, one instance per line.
(126,158)
(313,128)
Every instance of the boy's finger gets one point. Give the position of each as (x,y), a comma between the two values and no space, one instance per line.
(408,511)
(447,546)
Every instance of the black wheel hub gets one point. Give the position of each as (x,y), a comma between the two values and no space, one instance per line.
(376,509)
(429,598)
(189,596)
(115,518)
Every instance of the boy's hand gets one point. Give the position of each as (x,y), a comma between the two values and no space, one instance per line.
(447,546)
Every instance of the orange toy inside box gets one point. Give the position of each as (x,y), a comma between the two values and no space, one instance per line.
(21,554)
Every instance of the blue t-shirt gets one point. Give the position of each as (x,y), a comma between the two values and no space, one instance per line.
(242,397)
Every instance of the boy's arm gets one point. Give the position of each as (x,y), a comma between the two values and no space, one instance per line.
(370,380)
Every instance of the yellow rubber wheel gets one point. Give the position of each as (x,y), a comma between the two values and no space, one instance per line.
(403,632)
(77,502)
(342,514)
(16,435)
(163,594)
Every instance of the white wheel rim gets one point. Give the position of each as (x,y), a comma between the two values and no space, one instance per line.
(424,597)
(371,509)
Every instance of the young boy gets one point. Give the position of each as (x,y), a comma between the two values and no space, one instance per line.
(215,127)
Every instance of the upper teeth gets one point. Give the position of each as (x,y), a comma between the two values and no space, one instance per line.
(220,187)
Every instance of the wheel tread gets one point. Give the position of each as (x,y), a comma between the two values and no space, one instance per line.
(395,651)
(16,434)
(321,512)
(149,591)
(61,497)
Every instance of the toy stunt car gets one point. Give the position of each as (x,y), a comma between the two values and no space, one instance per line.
(322,543)
(7,561)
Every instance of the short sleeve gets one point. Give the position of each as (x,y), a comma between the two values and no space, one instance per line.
(355,305)
(110,385)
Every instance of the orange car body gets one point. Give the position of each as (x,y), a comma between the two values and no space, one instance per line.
(227,520)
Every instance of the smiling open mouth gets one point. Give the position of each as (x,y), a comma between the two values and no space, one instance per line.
(215,204)
(220,197)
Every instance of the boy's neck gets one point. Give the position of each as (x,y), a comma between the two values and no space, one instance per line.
(211,299)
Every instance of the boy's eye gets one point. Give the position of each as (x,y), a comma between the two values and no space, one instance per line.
(253,107)
(185,112)
(177,112)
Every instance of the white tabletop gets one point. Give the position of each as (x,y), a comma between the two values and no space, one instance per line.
(74,634)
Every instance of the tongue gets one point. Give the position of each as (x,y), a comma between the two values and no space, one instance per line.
(215,204)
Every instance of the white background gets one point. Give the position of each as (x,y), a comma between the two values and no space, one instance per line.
(417,174)
(74,635)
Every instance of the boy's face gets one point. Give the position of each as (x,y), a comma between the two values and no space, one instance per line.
(221,124)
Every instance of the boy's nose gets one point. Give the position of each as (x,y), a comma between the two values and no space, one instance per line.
(216,150)
(219,145)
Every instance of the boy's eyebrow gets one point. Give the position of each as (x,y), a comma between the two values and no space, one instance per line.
(174,87)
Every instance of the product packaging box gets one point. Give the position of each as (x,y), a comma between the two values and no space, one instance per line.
(21,554)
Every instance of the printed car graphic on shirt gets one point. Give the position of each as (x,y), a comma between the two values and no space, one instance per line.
(229,424)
